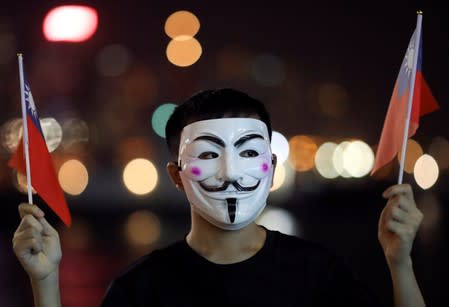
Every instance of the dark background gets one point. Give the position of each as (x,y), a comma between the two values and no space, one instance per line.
(357,47)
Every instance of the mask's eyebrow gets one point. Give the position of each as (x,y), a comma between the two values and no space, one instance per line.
(246,138)
(212,139)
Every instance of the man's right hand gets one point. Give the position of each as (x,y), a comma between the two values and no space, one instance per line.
(36,244)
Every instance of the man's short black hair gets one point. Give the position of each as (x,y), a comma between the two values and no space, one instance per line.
(212,104)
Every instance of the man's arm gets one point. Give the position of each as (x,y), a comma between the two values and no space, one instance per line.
(36,245)
(398,225)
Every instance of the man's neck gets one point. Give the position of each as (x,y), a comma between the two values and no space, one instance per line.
(224,246)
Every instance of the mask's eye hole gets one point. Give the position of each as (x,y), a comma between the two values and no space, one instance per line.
(249,153)
(208,155)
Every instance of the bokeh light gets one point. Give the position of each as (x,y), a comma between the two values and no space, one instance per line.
(11,134)
(278,219)
(182,23)
(160,117)
(280,146)
(323,160)
(358,159)
(184,52)
(75,132)
(140,176)
(73,177)
(302,153)
(142,228)
(338,159)
(279,177)
(52,132)
(21,184)
(70,23)
(426,171)
(414,151)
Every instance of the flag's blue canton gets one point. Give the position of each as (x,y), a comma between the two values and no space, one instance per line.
(30,107)
(407,64)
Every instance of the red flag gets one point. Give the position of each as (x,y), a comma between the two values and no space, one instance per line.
(423,103)
(43,175)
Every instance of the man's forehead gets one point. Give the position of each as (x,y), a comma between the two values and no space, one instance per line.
(226,127)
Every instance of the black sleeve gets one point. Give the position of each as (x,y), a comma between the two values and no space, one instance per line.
(343,288)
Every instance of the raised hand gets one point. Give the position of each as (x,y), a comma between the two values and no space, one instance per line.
(398,224)
(36,244)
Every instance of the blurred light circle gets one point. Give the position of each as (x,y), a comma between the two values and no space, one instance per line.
(279,177)
(413,152)
(358,159)
(182,23)
(324,160)
(280,146)
(142,228)
(160,118)
(75,131)
(21,184)
(278,219)
(11,134)
(183,52)
(268,70)
(70,23)
(140,176)
(73,177)
(113,60)
(302,153)
(426,171)
(52,132)
(337,159)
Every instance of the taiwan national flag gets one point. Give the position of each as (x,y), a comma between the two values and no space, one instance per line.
(43,175)
(423,103)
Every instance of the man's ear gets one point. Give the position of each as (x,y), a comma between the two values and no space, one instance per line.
(173,172)
(274,161)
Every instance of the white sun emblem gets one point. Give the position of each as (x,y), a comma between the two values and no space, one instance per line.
(409,58)
(29,98)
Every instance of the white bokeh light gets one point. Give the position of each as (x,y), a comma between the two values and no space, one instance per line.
(280,146)
(426,171)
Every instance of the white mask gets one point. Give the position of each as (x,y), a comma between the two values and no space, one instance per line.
(226,169)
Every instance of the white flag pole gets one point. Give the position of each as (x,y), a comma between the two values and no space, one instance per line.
(25,128)
(416,47)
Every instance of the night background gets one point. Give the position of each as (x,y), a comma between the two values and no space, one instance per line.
(324,69)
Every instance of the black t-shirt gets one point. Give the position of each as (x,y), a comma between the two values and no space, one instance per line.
(287,271)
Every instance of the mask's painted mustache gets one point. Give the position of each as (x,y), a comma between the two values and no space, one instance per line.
(226,184)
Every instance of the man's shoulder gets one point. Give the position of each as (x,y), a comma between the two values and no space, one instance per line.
(297,246)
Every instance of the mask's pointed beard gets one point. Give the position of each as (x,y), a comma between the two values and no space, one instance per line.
(232,206)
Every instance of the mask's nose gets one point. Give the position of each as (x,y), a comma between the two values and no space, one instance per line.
(229,170)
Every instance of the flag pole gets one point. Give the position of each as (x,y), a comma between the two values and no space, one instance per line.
(410,96)
(25,128)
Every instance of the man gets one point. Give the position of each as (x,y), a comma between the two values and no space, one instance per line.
(223,162)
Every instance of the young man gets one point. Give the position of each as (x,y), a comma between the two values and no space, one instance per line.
(224,164)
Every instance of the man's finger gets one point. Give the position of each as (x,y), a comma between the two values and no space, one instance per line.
(404,189)
(29,221)
(47,228)
(25,209)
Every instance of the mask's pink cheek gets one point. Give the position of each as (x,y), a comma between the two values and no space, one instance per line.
(265,167)
(196,171)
